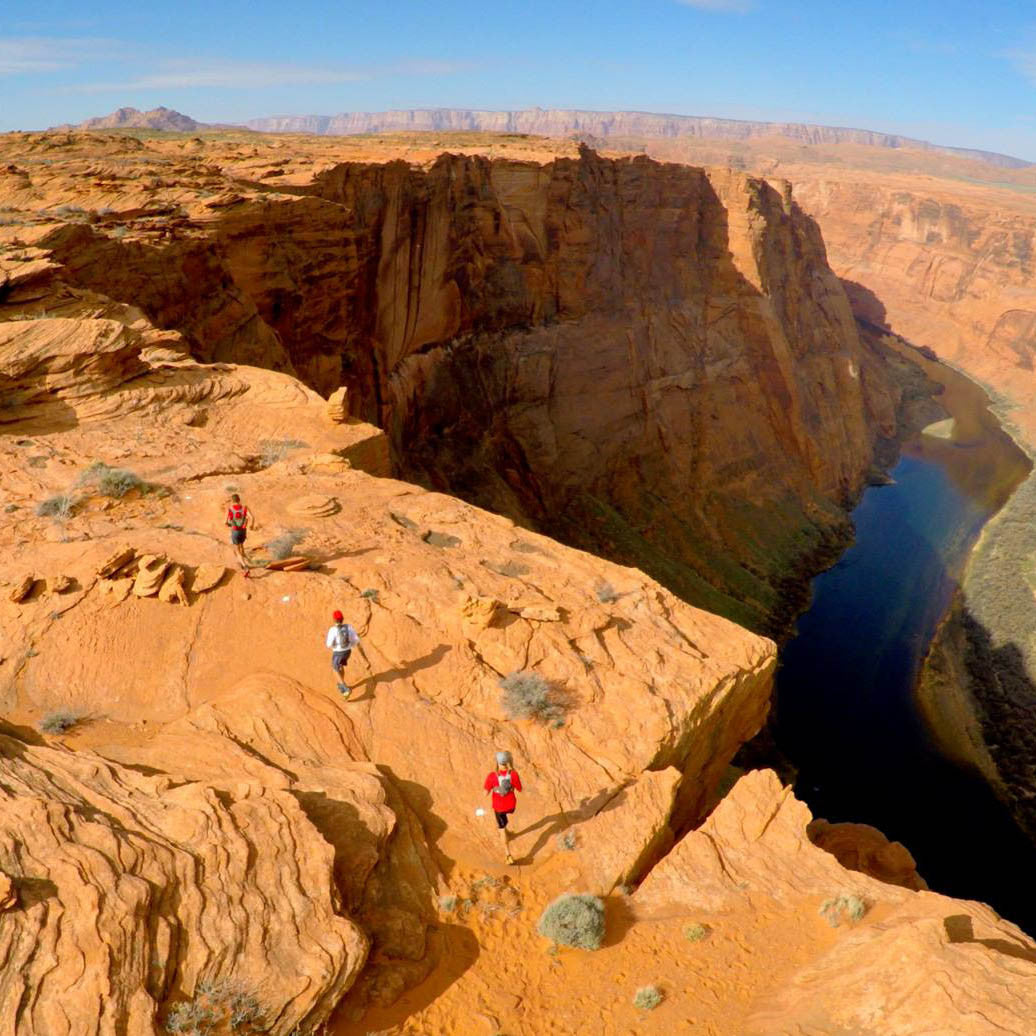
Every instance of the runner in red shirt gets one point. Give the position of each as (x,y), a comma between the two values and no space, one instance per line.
(501,785)
(239,521)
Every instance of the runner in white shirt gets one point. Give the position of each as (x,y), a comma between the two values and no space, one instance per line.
(341,639)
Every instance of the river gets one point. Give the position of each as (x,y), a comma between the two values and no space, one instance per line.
(846,712)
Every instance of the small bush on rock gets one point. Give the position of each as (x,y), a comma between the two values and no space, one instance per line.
(647,998)
(695,932)
(113,482)
(837,908)
(274,450)
(528,696)
(281,547)
(574,919)
(59,507)
(218,1007)
(60,721)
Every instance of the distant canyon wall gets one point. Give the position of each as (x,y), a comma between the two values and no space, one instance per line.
(563,122)
(645,360)
(954,270)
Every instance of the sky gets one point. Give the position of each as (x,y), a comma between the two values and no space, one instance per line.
(954,73)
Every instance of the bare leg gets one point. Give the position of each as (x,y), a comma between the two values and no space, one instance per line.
(505,838)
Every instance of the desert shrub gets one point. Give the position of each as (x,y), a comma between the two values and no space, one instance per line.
(837,908)
(190,1019)
(606,593)
(117,482)
(647,998)
(567,840)
(113,482)
(70,212)
(59,507)
(281,547)
(528,696)
(217,1007)
(59,721)
(370,594)
(273,450)
(244,1010)
(447,904)
(574,919)
(119,231)
(695,932)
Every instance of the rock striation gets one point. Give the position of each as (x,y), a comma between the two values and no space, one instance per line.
(160,885)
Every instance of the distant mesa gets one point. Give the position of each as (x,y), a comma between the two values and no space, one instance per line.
(132,118)
(560,122)
(544,122)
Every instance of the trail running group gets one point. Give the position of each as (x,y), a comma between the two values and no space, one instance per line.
(501,784)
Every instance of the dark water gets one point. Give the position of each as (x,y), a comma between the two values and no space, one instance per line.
(845,704)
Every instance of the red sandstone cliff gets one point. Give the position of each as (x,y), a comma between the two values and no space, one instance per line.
(647,360)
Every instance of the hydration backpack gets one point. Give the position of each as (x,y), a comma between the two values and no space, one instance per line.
(345,637)
(237,516)
(504,786)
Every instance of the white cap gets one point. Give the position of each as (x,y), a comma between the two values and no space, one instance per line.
(503,758)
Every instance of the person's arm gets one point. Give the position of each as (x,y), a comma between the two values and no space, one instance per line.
(516,781)
(329,640)
(251,520)
(490,783)
(354,637)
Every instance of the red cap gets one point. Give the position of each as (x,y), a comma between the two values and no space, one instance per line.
(337,616)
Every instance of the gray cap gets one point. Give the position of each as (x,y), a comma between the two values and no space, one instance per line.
(503,758)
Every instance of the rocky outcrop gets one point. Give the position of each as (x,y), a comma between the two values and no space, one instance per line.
(860,847)
(41,359)
(924,964)
(235,702)
(381,869)
(471,307)
(163,886)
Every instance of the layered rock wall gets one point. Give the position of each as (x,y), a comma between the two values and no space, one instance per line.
(647,360)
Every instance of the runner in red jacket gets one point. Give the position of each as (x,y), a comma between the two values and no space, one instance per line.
(501,785)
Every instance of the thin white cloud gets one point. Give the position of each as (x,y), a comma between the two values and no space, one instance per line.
(1024,60)
(32,55)
(184,73)
(720,6)
(40,55)
(228,75)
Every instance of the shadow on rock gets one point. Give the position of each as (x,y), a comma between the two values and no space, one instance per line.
(456,949)
(959,929)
